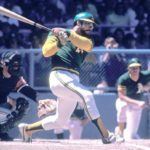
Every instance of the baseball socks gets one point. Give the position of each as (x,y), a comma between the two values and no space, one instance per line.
(107,137)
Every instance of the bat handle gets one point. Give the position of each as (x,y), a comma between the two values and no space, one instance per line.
(41,26)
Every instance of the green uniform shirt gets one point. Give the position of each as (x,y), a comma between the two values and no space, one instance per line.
(69,56)
(131,86)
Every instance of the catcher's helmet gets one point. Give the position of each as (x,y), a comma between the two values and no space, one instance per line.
(85,16)
(13,61)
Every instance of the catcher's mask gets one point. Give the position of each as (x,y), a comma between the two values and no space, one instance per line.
(13,61)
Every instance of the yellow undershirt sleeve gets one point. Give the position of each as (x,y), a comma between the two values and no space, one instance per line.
(81,42)
(50,46)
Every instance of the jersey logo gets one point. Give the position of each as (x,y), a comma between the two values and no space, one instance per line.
(78,50)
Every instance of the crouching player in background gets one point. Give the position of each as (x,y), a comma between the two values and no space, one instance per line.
(12,110)
(130,101)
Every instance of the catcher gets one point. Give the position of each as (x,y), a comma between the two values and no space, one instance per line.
(12,110)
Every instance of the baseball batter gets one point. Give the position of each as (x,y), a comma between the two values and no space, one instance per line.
(68,48)
(130,102)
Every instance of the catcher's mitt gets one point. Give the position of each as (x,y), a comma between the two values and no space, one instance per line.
(46,107)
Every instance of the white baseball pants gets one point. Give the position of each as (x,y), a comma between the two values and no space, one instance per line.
(75,128)
(131,115)
(66,86)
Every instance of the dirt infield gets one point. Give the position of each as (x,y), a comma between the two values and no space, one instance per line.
(74,145)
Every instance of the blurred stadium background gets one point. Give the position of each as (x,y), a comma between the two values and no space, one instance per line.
(128,21)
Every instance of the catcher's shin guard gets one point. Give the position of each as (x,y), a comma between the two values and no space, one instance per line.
(22,106)
(10,119)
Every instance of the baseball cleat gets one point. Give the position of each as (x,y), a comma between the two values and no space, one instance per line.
(110,139)
(119,139)
(26,137)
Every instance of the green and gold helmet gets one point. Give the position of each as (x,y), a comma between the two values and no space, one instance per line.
(134,62)
(85,16)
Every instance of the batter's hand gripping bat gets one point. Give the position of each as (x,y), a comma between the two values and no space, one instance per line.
(11,14)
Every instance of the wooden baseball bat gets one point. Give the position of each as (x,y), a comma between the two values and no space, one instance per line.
(11,14)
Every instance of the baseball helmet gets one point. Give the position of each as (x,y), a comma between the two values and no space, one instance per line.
(85,16)
(134,62)
(12,60)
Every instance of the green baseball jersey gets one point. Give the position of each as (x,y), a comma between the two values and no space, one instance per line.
(132,87)
(69,57)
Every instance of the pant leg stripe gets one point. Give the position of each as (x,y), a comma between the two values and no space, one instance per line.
(75,91)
